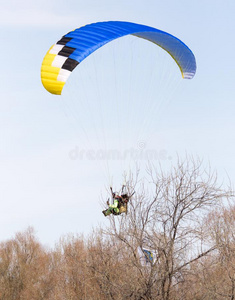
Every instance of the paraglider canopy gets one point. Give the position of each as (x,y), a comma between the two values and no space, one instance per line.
(63,57)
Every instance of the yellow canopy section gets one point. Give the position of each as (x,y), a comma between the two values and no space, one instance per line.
(49,74)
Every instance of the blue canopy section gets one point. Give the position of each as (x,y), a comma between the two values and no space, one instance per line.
(89,38)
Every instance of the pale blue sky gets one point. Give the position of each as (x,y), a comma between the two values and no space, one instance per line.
(41,185)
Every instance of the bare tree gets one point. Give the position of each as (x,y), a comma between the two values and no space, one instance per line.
(167,221)
(25,268)
(218,271)
(70,257)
